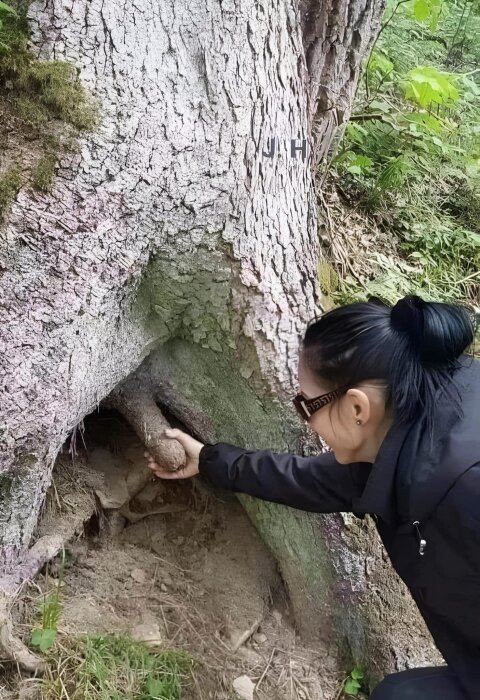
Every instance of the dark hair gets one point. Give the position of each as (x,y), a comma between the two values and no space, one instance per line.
(414,346)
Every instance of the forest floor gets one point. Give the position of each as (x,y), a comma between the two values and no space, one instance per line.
(185,570)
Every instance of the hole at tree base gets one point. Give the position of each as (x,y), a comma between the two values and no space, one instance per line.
(185,565)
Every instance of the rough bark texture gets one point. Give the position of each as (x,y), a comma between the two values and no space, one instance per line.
(171,231)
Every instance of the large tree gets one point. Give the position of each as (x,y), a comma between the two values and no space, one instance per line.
(173,268)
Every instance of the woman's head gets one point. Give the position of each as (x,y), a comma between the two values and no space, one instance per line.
(388,364)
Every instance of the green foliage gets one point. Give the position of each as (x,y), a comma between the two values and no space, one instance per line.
(5,11)
(114,667)
(51,609)
(43,638)
(410,157)
(428,11)
(353,684)
(34,96)
(57,87)
(427,86)
(10,183)
(44,172)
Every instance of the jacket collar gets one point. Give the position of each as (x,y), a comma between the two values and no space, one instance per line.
(379,495)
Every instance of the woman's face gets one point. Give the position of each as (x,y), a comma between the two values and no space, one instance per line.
(354,424)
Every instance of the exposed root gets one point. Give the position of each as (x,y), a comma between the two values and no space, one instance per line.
(136,403)
(18,567)
(13,647)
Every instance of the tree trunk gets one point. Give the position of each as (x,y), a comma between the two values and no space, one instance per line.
(179,246)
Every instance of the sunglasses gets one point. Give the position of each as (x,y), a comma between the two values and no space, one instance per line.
(307,407)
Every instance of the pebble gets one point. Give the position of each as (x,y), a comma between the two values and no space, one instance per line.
(277,615)
(260,638)
(139,575)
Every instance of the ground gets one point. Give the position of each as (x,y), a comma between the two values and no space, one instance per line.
(178,564)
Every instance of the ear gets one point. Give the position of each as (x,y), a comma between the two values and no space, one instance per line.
(358,406)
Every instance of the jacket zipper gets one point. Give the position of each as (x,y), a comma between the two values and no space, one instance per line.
(422,543)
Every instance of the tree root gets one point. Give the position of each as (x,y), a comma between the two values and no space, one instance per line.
(12,645)
(134,399)
(19,567)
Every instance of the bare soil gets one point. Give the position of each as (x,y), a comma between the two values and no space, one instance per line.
(178,564)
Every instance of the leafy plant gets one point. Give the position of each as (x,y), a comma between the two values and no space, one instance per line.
(353,684)
(425,85)
(51,609)
(5,11)
(410,157)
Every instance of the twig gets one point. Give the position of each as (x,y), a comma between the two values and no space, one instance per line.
(382,28)
(197,685)
(342,686)
(247,634)
(257,686)
(170,563)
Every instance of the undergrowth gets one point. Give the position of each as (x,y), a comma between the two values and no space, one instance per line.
(36,98)
(102,666)
(410,158)
(113,667)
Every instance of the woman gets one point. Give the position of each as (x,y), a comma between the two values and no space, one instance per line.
(394,395)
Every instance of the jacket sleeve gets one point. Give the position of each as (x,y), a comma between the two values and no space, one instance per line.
(318,484)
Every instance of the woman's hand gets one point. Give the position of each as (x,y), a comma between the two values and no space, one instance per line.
(192,449)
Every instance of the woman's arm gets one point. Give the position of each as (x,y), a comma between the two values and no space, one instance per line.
(318,484)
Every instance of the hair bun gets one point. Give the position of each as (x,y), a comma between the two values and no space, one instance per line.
(438,332)
(407,315)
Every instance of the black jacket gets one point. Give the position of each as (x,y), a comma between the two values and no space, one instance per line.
(419,491)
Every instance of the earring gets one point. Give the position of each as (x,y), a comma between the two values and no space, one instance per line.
(359,422)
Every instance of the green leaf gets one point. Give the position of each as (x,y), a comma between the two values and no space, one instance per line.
(352,686)
(421,10)
(155,687)
(7,9)
(43,639)
(357,674)
(380,106)
(425,84)
(380,63)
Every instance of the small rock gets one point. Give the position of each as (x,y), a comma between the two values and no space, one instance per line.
(150,493)
(260,638)
(166,578)
(249,655)
(148,632)
(163,587)
(139,575)
(277,615)
(244,687)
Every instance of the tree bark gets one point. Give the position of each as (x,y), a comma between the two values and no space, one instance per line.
(179,244)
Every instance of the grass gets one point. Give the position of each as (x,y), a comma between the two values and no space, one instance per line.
(10,183)
(102,666)
(113,667)
(44,172)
